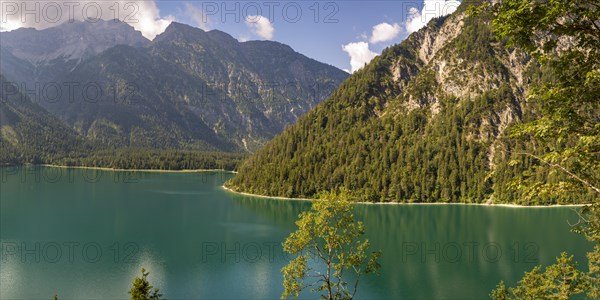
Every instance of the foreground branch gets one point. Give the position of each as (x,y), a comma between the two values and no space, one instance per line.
(554,165)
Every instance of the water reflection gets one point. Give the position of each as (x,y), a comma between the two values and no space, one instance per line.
(436,251)
(199,241)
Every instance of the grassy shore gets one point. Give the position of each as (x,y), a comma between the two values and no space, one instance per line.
(406,203)
(262,196)
(138,170)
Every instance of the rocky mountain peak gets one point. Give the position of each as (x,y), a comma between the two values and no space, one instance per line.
(70,40)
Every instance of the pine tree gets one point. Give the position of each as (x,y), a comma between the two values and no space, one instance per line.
(142,289)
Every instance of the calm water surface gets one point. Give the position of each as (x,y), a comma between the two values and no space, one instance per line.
(86,233)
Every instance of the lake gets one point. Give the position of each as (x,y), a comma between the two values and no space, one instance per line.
(86,234)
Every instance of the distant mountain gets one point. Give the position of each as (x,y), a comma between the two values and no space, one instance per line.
(28,133)
(423,122)
(187,89)
(30,55)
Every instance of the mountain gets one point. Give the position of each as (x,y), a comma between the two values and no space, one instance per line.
(187,89)
(28,133)
(257,87)
(423,122)
(30,55)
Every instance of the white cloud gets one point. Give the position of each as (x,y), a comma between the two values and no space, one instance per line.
(431,9)
(197,15)
(143,15)
(261,26)
(359,53)
(384,32)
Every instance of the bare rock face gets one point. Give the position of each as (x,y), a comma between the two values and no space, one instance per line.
(70,40)
(31,56)
(457,73)
(435,38)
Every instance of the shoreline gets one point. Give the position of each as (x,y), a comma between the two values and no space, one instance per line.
(137,170)
(405,203)
(305,199)
(265,197)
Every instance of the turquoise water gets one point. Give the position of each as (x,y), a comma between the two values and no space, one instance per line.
(86,233)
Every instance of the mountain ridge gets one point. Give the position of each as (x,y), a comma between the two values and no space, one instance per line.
(211,91)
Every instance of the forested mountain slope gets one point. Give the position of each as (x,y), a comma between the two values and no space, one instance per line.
(423,122)
(29,133)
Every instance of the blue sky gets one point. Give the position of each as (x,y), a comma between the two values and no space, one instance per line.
(336,24)
(317,29)
(346,34)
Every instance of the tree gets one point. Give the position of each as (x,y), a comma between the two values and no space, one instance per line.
(328,234)
(564,36)
(589,226)
(500,293)
(142,289)
(559,281)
